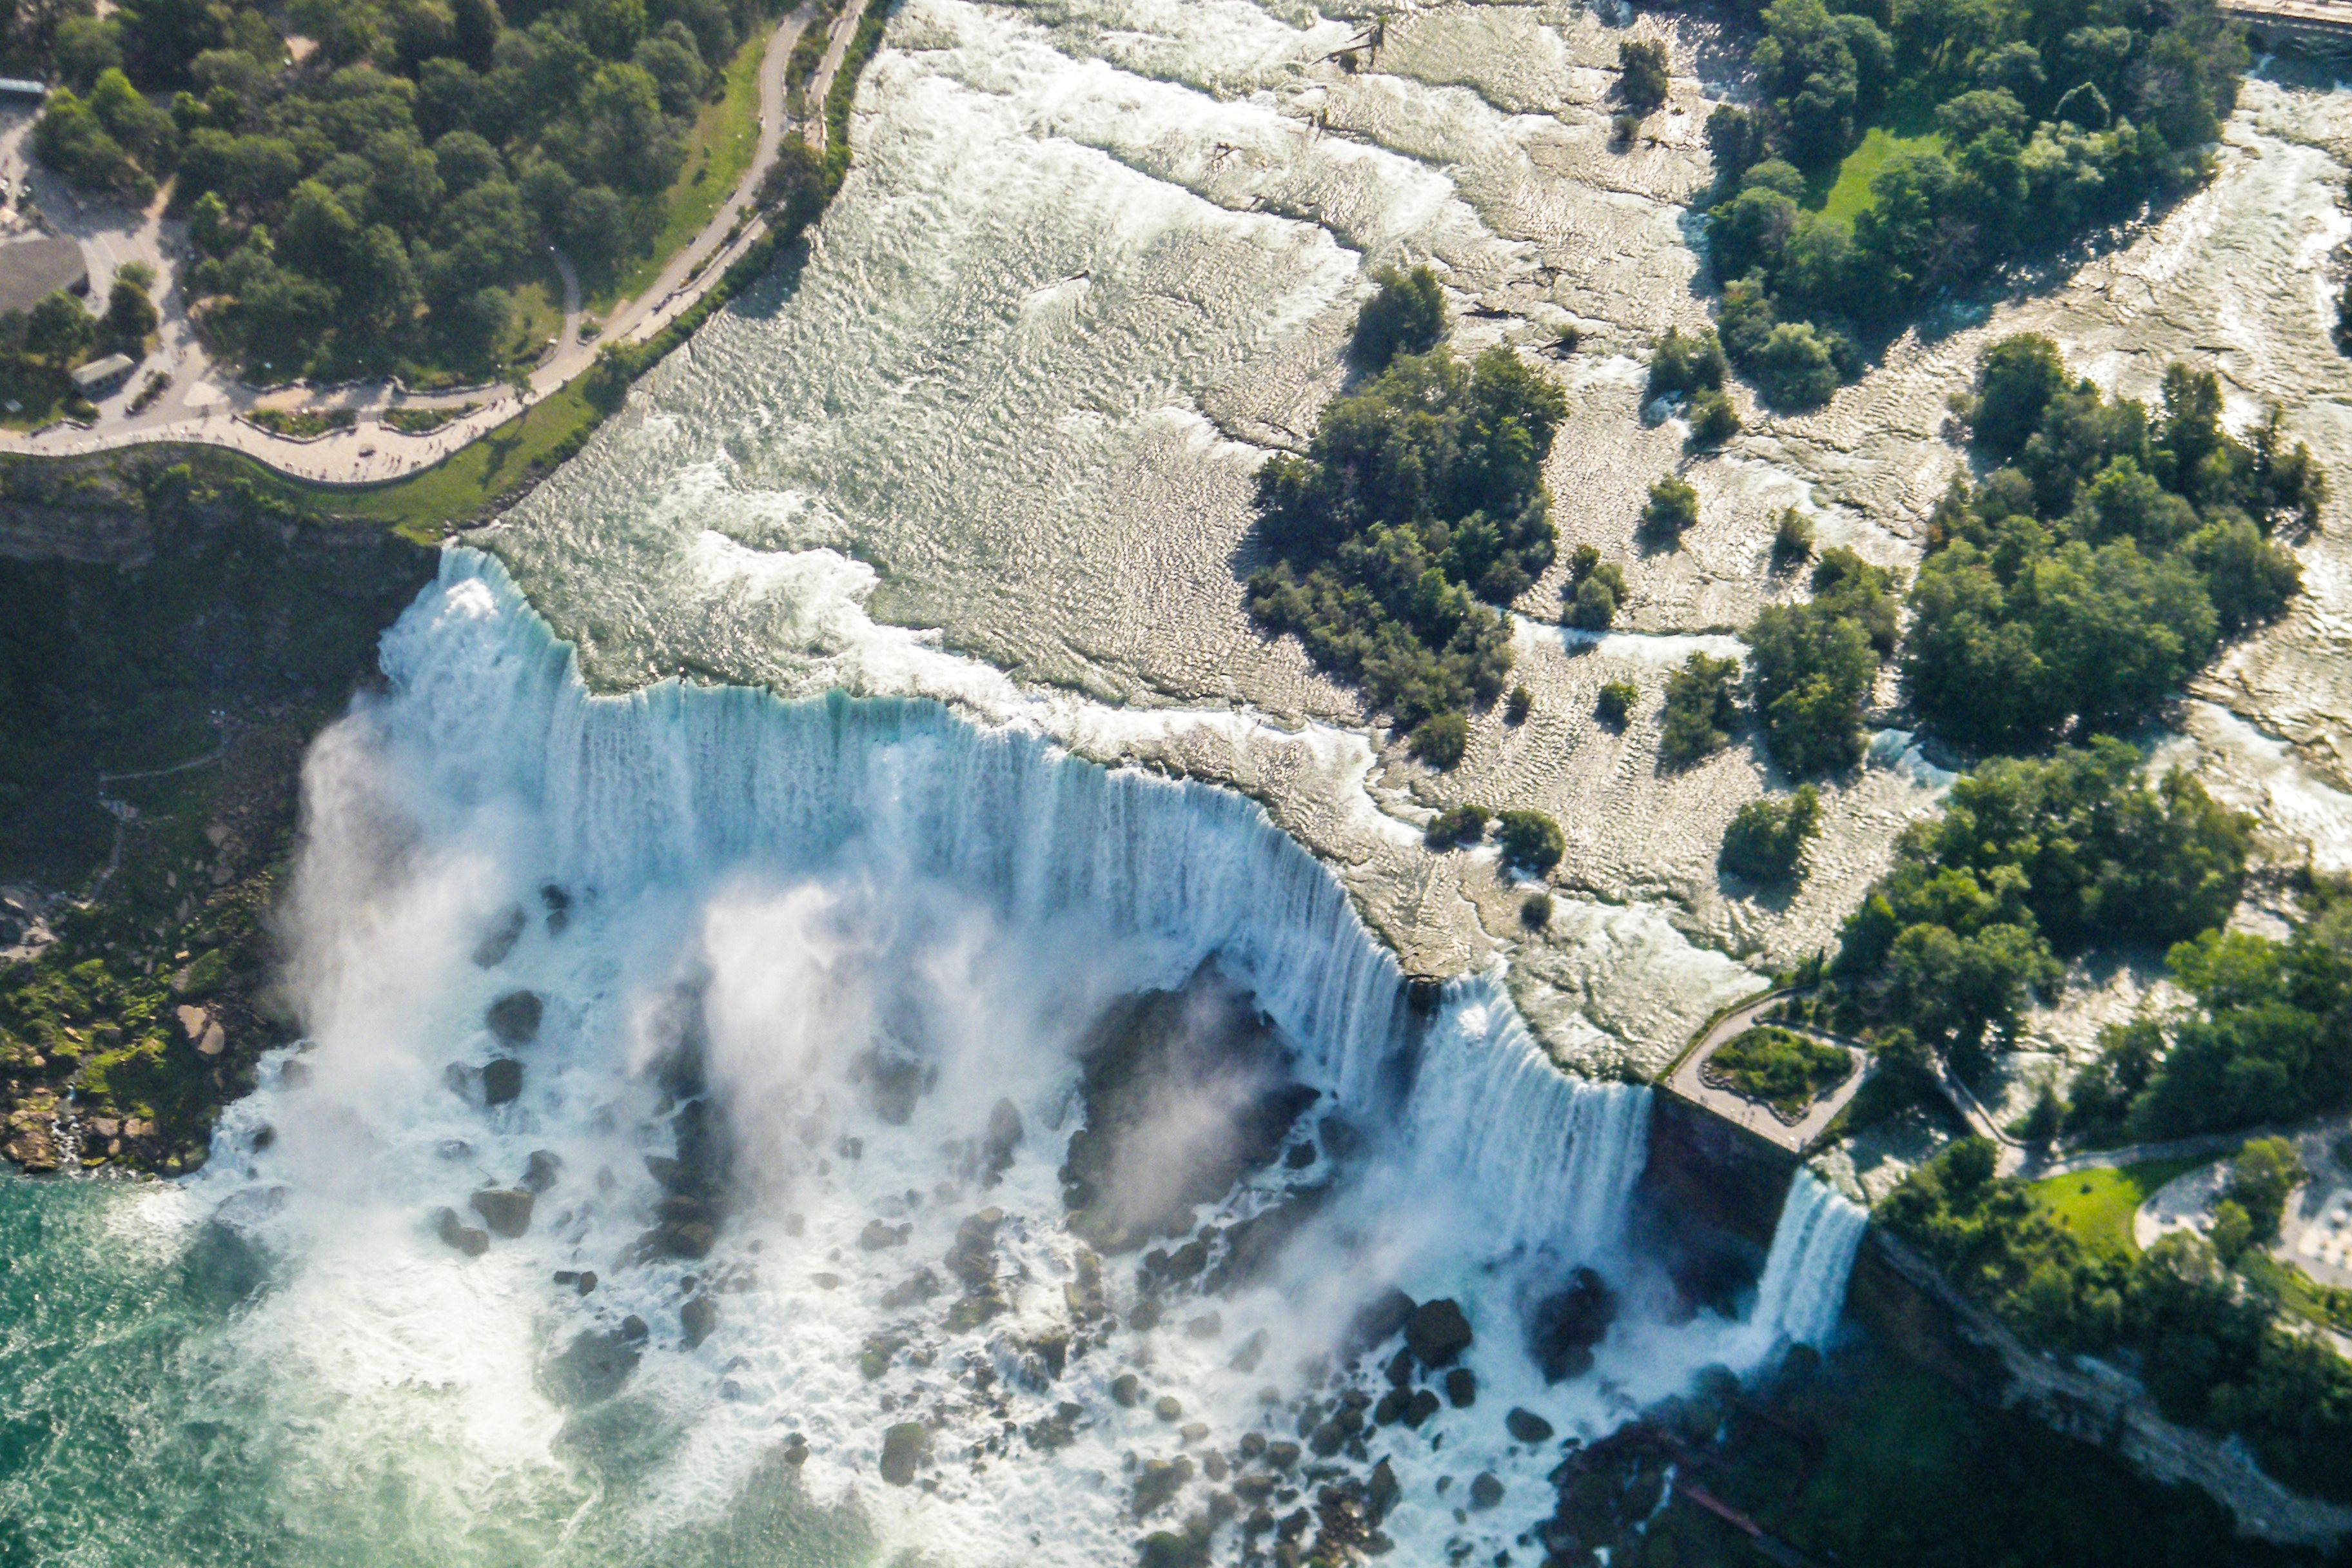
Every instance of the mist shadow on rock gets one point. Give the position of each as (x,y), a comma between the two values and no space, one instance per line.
(1183,1093)
(223,1267)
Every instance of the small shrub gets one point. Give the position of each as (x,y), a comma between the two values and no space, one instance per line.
(1406,316)
(1624,128)
(1594,607)
(1792,536)
(1642,78)
(1768,837)
(1536,912)
(1455,825)
(1442,738)
(1517,708)
(1700,711)
(1531,840)
(1712,420)
(1686,362)
(1672,507)
(1615,704)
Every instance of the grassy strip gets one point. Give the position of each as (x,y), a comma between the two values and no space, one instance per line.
(2097,1206)
(726,135)
(843,94)
(1844,199)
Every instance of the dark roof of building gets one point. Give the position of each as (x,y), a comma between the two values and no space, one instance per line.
(33,269)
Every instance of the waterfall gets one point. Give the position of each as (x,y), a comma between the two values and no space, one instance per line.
(676,783)
(1803,1287)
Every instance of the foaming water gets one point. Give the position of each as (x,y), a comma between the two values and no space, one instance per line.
(835,940)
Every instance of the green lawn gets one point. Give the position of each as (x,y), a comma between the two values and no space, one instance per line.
(1846,195)
(421,506)
(2097,1206)
(725,137)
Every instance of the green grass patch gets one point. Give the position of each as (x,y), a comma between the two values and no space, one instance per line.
(423,506)
(2098,1206)
(1781,1068)
(725,136)
(1843,193)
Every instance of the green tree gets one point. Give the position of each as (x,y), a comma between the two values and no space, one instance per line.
(1700,711)
(1641,74)
(2263,1175)
(1671,509)
(1531,840)
(1766,837)
(1406,315)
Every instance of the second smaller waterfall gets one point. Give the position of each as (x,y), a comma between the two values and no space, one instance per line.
(1803,1287)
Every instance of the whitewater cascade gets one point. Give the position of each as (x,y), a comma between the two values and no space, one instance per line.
(830,896)
(1804,1287)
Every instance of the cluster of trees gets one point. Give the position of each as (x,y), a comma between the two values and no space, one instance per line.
(2104,557)
(2207,1343)
(1418,508)
(1766,837)
(39,345)
(378,201)
(1812,665)
(2031,859)
(1701,710)
(1594,589)
(2267,1039)
(2027,123)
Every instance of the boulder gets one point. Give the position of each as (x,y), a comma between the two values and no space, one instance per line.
(1565,1326)
(1003,1136)
(1126,1391)
(499,940)
(506,1210)
(1526,1426)
(1380,1318)
(877,1236)
(1437,1334)
(904,1447)
(1383,1492)
(514,1018)
(698,1318)
(540,1171)
(455,1233)
(920,1286)
(1461,1388)
(502,1081)
(558,908)
(1420,1407)
(972,1259)
(1157,1483)
(1486,1490)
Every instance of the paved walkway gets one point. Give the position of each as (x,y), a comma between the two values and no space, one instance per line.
(1754,1116)
(202,404)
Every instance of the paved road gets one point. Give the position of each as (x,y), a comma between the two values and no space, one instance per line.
(203,402)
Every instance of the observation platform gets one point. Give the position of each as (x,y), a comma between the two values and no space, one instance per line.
(2323,25)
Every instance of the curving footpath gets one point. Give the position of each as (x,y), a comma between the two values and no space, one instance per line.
(198,406)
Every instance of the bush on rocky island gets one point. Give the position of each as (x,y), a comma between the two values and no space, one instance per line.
(1700,711)
(1768,837)
(1531,841)
(1418,508)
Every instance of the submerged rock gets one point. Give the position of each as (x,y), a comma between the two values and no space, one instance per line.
(500,939)
(1158,1483)
(1526,1426)
(697,1318)
(455,1233)
(506,1210)
(540,1171)
(593,1366)
(1381,1317)
(904,1447)
(514,1018)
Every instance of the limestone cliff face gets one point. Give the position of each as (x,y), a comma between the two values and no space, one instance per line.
(171,639)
